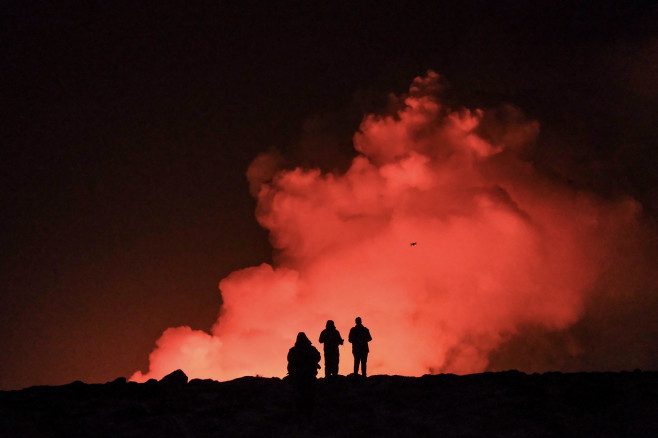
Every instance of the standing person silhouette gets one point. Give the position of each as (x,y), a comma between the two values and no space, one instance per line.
(303,364)
(359,338)
(331,339)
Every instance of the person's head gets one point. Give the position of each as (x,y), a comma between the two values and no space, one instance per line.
(302,339)
(330,324)
(358,320)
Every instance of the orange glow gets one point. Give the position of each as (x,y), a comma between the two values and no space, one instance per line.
(498,246)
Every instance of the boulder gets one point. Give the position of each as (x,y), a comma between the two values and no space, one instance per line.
(176,379)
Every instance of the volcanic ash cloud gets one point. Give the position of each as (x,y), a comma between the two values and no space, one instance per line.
(439,235)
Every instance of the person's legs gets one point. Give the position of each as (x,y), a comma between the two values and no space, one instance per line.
(360,358)
(333,366)
(330,364)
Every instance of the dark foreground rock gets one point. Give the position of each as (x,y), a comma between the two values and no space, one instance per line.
(508,404)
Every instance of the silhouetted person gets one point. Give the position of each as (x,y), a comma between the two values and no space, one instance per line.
(359,338)
(303,364)
(331,339)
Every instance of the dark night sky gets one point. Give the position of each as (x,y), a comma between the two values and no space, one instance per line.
(127,132)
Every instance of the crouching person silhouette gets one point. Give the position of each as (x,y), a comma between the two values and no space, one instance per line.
(331,339)
(359,338)
(303,364)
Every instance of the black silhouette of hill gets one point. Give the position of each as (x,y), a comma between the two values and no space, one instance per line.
(505,404)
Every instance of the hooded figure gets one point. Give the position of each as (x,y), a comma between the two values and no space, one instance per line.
(303,365)
(331,339)
(359,338)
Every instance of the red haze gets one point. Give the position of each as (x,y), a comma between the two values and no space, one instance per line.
(500,246)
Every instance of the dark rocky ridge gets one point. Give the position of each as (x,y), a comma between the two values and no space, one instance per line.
(506,404)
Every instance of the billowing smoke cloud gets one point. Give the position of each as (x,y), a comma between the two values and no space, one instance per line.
(439,235)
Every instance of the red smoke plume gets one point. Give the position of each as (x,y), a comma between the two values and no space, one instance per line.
(498,246)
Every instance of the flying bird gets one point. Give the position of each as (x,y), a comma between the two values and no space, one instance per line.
(413,243)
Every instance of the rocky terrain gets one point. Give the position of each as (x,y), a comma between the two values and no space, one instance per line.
(506,404)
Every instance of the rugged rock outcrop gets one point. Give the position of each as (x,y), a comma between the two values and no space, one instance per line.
(489,404)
